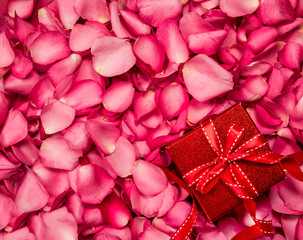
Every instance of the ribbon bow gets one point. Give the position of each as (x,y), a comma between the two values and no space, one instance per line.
(225,166)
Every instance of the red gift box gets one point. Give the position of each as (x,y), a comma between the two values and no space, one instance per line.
(194,150)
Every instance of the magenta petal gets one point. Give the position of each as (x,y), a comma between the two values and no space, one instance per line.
(198,110)
(4,106)
(118,97)
(151,233)
(23,8)
(169,36)
(205,78)
(139,130)
(115,211)
(55,153)
(95,10)
(144,103)
(276,83)
(49,47)
(7,54)
(93,184)
(22,28)
(235,8)
(112,56)
(123,158)
(26,151)
(19,234)
(149,179)
(104,136)
(22,65)
(260,38)
(30,189)
(137,225)
(291,55)
(67,13)
(56,116)
(112,233)
(92,216)
(289,224)
(14,128)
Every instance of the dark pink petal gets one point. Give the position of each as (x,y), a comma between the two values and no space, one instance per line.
(139,130)
(30,196)
(56,116)
(211,233)
(144,103)
(118,97)
(235,8)
(4,106)
(87,71)
(22,65)
(115,211)
(169,36)
(104,136)
(134,23)
(179,212)
(22,28)
(268,56)
(105,236)
(82,37)
(276,83)
(205,78)
(22,86)
(289,224)
(55,153)
(206,43)
(7,167)
(229,226)
(92,216)
(170,196)
(75,206)
(115,233)
(153,120)
(49,47)
(148,50)
(67,13)
(92,10)
(275,11)
(23,8)
(256,68)
(41,93)
(112,56)
(291,55)
(260,38)
(6,208)
(123,158)
(296,115)
(149,179)
(7,54)
(151,233)
(198,110)
(26,151)
(93,184)
(84,94)
(20,234)
(56,225)
(169,104)
(157,13)
(137,225)
(161,225)
(14,129)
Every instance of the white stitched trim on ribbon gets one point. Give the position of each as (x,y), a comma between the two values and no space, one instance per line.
(252,139)
(205,134)
(217,135)
(198,179)
(234,143)
(193,170)
(217,173)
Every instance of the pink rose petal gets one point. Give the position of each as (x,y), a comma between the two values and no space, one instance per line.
(26,151)
(92,216)
(151,233)
(67,13)
(7,167)
(22,65)
(19,234)
(291,55)
(55,153)
(289,224)
(177,215)
(93,184)
(23,8)
(75,206)
(296,115)
(112,56)
(206,79)
(169,36)
(56,117)
(144,103)
(138,129)
(6,207)
(7,54)
(22,28)
(235,8)
(198,110)
(114,233)
(92,10)
(14,128)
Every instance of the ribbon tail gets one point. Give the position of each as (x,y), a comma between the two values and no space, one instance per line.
(290,165)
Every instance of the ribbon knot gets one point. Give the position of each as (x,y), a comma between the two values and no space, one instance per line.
(225,166)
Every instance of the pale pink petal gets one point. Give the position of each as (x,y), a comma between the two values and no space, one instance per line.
(92,216)
(296,115)
(151,233)
(41,93)
(260,38)
(250,89)
(205,78)
(206,43)
(177,215)
(139,130)
(170,196)
(55,153)
(6,208)
(94,10)
(22,28)
(157,13)
(275,11)
(75,206)
(22,65)
(144,103)
(20,234)
(229,226)
(49,47)
(87,71)
(30,196)
(104,136)
(118,97)
(14,129)
(161,225)
(148,50)
(26,151)
(48,18)
(82,37)
(291,55)
(153,120)
(56,225)
(289,224)
(122,234)
(78,137)
(123,158)
(137,225)
(235,8)
(56,116)
(84,94)
(115,211)
(134,23)
(169,36)
(199,110)
(211,233)
(67,13)
(7,54)
(23,8)
(105,236)
(171,105)
(21,86)
(149,179)
(112,56)
(93,184)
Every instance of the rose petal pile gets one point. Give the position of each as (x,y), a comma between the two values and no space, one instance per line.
(90,91)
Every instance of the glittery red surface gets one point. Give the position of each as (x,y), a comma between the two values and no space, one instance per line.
(193,150)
